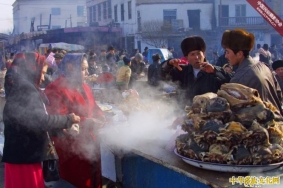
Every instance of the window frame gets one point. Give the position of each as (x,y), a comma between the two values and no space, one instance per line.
(82,11)
(54,11)
(169,17)
(116,13)
(122,12)
(129,10)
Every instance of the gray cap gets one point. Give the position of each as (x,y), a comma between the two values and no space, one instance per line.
(139,56)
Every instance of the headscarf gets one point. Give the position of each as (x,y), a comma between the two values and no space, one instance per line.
(72,58)
(25,66)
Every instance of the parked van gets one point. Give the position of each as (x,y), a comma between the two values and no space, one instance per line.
(163,52)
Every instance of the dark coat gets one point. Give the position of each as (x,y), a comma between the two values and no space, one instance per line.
(26,123)
(153,75)
(204,82)
(258,76)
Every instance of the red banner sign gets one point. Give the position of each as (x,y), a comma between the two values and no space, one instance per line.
(268,15)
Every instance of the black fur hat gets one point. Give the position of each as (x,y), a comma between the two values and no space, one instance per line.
(192,43)
(277,64)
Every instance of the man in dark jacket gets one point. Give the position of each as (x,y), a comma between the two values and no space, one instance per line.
(153,75)
(193,78)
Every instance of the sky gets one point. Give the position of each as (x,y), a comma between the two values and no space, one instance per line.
(6,16)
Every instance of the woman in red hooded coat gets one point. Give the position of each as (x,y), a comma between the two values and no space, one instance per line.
(26,122)
(79,155)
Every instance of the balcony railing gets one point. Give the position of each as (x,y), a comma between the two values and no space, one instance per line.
(242,21)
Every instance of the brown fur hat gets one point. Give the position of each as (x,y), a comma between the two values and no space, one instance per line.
(192,43)
(238,39)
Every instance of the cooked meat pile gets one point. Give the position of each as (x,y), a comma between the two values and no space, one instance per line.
(232,127)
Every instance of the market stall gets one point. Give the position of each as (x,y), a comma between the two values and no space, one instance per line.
(149,163)
(60,45)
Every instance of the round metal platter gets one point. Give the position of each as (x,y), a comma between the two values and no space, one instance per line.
(228,168)
(105,107)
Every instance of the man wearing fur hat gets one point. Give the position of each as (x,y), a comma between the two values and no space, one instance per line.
(238,43)
(197,77)
(277,66)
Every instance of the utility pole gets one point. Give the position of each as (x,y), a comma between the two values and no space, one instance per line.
(40,20)
(71,20)
(220,14)
(66,21)
(49,22)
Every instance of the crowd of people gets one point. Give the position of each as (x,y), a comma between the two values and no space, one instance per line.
(47,95)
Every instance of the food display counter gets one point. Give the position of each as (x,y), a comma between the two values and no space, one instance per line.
(151,165)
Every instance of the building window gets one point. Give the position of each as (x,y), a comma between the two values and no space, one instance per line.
(169,15)
(139,21)
(240,11)
(56,27)
(80,24)
(109,9)
(99,12)
(122,12)
(104,11)
(94,14)
(80,11)
(55,11)
(116,13)
(129,10)
(90,14)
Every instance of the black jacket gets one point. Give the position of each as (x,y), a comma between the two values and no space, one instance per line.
(26,122)
(192,86)
(153,74)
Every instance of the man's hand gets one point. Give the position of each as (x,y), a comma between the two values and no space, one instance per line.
(175,63)
(207,67)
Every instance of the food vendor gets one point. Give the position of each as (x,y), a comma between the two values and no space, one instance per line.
(193,77)
(237,44)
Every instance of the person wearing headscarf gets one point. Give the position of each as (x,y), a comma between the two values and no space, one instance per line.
(192,78)
(79,156)
(105,79)
(27,122)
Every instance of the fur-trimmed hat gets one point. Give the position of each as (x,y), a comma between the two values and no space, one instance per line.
(192,43)
(238,39)
(277,64)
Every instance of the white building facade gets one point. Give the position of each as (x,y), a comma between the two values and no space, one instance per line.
(240,14)
(131,14)
(189,15)
(35,15)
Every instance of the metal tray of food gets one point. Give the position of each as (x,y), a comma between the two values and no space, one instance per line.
(228,168)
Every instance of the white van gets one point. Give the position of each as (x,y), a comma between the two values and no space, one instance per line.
(163,52)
